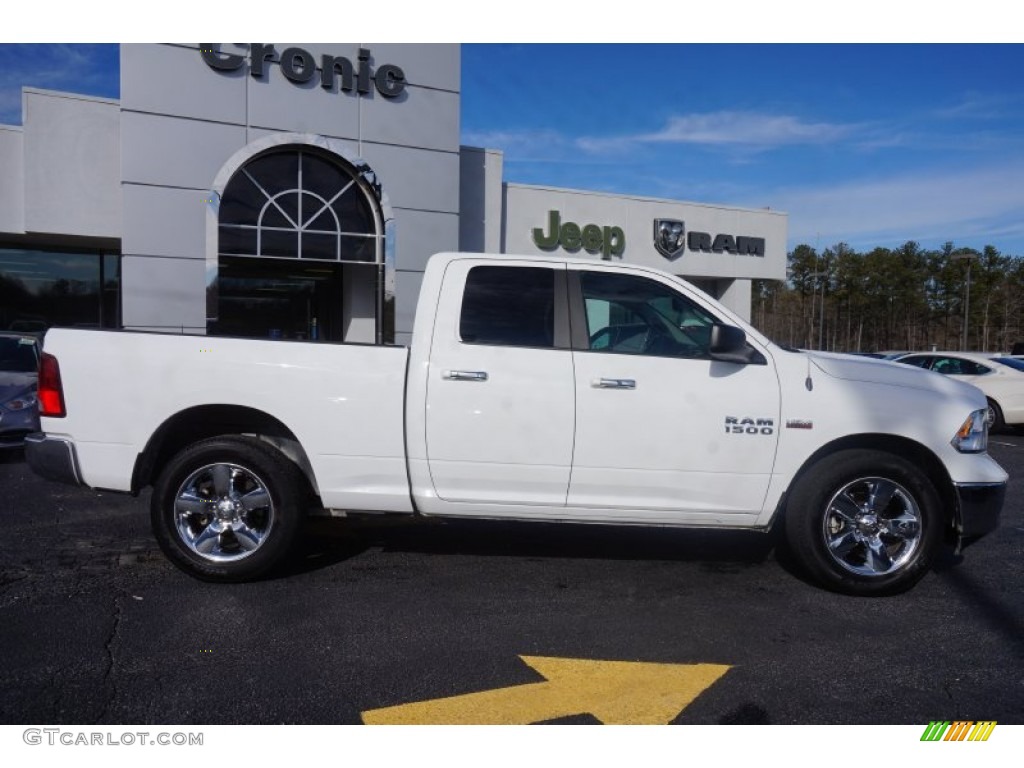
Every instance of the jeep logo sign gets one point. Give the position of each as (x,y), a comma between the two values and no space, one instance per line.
(608,241)
(301,66)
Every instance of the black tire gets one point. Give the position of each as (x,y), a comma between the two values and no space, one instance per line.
(864,522)
(996,423)
(227,508)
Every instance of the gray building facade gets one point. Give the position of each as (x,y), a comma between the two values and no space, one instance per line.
(297,191)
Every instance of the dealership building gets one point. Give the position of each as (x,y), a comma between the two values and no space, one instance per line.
(296,191)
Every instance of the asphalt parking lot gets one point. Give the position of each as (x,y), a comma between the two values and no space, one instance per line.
(377,622)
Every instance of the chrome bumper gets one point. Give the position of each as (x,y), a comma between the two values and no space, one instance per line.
(53,458)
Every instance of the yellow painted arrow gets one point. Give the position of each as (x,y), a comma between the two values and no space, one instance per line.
(615,692)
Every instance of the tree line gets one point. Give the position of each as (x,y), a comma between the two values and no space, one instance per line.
(906,298)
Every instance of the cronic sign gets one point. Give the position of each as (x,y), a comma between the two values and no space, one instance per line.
(300,66)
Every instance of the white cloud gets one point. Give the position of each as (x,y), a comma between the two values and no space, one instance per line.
(747,128)
(980,106)
(730,128)
(748,131)
(520,144)
(980,203)
(532,146)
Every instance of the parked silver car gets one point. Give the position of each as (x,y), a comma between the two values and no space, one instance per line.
(19,372)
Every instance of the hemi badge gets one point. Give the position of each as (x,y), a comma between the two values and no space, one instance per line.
(799,424)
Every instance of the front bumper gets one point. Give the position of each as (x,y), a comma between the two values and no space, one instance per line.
(53,458)
(978,508)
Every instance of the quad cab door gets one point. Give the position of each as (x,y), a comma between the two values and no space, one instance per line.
(663,431)
(500,407)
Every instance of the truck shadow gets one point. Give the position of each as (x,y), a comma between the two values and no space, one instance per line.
(325,542)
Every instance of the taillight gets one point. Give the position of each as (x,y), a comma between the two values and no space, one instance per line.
(51,392)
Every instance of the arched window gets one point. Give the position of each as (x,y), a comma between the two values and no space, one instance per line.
(298,203)
(298,246)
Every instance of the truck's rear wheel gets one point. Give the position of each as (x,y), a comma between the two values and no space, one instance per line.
(864,522)
(227,508)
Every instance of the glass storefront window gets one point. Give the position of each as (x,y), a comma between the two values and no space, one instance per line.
(271,299)
(40,289)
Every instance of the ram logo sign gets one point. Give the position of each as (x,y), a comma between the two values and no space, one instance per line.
(670,238)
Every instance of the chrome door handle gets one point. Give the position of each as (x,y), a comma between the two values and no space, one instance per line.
(465,375)
(614,383)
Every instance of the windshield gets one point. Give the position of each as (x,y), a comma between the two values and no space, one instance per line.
(1011,362)
(18,354)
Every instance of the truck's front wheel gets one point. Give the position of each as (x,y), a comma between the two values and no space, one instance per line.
(227,508)
(864,522)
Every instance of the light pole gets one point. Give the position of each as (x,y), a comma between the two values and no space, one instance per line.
(821,320)
(970,257)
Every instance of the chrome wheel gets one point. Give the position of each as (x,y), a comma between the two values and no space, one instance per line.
(223,512)
(872,527)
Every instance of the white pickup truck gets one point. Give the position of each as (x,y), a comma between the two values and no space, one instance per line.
(534,389)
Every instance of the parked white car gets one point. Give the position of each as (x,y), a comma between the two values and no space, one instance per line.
(1002,382)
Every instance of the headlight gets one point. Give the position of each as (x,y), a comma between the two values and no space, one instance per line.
(972,437)
(20,403)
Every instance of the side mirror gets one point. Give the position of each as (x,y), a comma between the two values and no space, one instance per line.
(729,345)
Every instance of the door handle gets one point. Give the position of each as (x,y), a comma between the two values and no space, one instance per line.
(614,383)
(465,375)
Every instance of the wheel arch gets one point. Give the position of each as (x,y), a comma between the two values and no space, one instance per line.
(904,447)
(213,420)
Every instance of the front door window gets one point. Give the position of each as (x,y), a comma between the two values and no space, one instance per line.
(627,314)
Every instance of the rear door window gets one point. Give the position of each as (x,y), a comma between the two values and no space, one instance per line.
(509,306)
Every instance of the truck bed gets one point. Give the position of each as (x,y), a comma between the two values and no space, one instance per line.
(342,403)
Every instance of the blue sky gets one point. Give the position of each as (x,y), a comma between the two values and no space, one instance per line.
(871,145)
